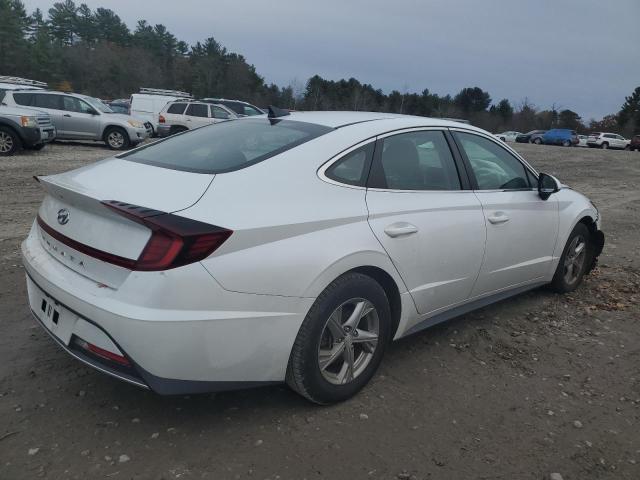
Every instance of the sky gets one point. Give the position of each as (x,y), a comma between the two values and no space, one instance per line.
(577,54)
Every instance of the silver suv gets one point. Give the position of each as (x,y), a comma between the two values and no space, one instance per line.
(79,117)
(181,115)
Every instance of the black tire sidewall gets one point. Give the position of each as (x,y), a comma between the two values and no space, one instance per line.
(349,286)
(127,140)
(559,283)
(17,144)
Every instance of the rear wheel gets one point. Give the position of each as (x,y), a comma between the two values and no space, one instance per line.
(537,141)
(117,138)
(341,341)
(574,261)
(604,145)
(9,142)
(566,143)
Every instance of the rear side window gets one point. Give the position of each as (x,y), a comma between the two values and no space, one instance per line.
(198,110)
(23,98)
(227,146)
(219,113)
(352,169)
(47,101)
(177,108)
(415,161)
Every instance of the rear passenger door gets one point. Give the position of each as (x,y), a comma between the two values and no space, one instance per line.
(52,104)
(425,216)
(521,227)
(197,115)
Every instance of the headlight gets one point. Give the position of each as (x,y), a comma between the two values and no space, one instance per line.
(29,121)
(135,124)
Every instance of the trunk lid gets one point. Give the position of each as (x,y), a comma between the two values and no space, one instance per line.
(75,217)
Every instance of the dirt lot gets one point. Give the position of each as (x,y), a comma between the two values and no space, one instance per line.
(537,384)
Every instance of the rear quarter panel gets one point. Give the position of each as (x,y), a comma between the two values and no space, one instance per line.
(293,232)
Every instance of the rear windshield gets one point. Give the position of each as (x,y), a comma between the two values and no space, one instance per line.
(227,146)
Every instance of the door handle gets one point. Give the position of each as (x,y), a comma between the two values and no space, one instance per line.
(400,228)
(66,115)
(498,218)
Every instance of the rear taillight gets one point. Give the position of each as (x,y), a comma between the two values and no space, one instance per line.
(102,353)
(161,119)
(174,241)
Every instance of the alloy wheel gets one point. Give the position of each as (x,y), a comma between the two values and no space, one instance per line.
(6,142)
(349,341)
(575,260)
(115,139)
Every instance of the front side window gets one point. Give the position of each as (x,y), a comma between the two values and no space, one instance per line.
(197,110)
(493,167)
(177,108)
(250,111)
(352,169)
(227,146)
(415,161)
(219,113)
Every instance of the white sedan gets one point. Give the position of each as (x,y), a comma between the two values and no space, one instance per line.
(507,136)
(293,248)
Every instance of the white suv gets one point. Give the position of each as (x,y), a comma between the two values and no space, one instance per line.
(607,140)
(180,116)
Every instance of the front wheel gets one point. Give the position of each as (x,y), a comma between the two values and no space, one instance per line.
(341,341)
(574,262)
(604,146)
(537,141)
(9,142)
(117,138)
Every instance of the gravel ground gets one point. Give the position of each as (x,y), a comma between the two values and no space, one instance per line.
(533,386)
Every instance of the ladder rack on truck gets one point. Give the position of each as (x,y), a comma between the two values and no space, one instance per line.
(22,81)
(160,91)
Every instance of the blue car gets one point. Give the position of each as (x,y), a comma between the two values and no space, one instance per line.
(560,136)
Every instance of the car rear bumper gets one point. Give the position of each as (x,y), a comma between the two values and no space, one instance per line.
(163,130)
(216,340)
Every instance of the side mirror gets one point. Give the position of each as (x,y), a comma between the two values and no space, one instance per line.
(547,186)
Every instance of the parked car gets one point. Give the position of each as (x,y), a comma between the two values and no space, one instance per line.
(24,128)
(79,117)
(180,116)
(534,136)
(240,108)
(607,140)
(119,106)
(634,144)
(507,136)
(148,104)
(244,253)
(17,83)
(560,136)
(582,141)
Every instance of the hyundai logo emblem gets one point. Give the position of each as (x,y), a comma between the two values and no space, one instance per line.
(63,216)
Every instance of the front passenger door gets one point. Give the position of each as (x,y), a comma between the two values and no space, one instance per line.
(521,227)
(80,120)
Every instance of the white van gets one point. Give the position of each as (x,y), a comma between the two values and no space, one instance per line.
(148,104)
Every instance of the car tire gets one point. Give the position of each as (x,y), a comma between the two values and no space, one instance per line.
(340,311)
(10,142)
(574,264)
(117,138)
(538,141)
(566,143)
(604,145)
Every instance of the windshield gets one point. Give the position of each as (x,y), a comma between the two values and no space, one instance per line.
(98,104)
(227,146)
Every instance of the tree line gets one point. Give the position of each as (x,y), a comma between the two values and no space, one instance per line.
(74,48)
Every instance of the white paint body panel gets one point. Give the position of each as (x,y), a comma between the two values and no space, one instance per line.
(235,315)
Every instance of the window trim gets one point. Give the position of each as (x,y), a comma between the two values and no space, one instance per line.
(460,168)
(471,174)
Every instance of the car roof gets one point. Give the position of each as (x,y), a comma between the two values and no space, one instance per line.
(340,119)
